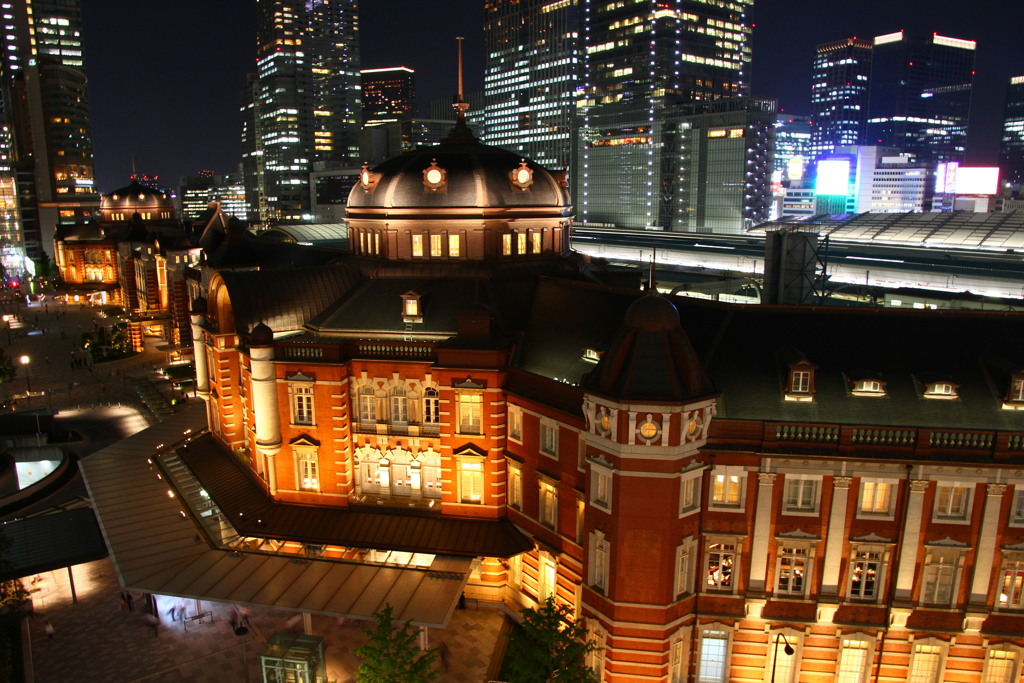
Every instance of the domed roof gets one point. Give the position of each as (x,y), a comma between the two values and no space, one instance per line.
(135,196)
(650,357)
(459,173)
(261,335)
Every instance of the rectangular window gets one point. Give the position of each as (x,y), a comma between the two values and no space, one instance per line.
(801,382)
(431,406)
(853,661)
(721,562)
(515,422)
(506,244)
(470,413)
(536,245)
(302,404)
(801,494)
(939,578)
(1011,584)
(471,481)
(875,497)
(925,664)
(515,485)
(1017,390)
(784,666)
(713,664)
(435,245)
(520,242)
(548,583)
(793,570)
(1017,512)
(548,437)
(308,471)
(399,407)
(866,568)
(684,567)
(599,561)
(454,246)
(951,501)
(417,245)
(367,406)
(1000,666)
(601,487)
(725,488)
(548,504)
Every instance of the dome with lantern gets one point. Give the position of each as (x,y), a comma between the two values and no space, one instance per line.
(149,203)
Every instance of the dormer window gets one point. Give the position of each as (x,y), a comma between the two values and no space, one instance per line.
(411,311)
(941,390)
(1015,395)
(869,387)
(800,381)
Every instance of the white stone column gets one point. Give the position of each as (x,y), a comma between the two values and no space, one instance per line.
(986,547)
(911,540)
(836,539)
(199,351)
(759,546)
(264,403)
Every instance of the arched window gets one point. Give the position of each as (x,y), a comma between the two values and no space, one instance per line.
(431,406)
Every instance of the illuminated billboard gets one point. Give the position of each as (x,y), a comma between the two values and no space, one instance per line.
(833,177)
(952,178)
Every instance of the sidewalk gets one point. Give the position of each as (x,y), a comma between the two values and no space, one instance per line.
(97,641)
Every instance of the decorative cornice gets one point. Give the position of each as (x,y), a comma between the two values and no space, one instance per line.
(841,482)
(996,489)
(766,478)
(918,486)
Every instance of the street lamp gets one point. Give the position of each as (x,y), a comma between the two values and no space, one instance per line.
(7,324)
(28,380)
(775,655)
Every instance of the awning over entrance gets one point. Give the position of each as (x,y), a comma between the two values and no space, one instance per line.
(156,547)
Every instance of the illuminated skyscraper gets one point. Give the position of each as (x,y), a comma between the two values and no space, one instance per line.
(639,61)
(839,94)
(304,104)
(389,95)
(921,95)
(46,106)
(531,77)
(1011,155)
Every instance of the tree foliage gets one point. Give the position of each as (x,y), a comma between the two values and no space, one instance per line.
(549,646)
(391,654)
(7,369)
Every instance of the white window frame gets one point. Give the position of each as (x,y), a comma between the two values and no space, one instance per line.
(800,381)
(940,577)
(431,406)
(1017,510)
(1001,652)
(793,554)
(470,405)
(679,656)
(864,559)
(307,468)
(601,486)
(952,502)
(515,423)
(548,437)
(515,483)
(714,651)
(728,486)
(302,403)
(1010,584)
(547,575)
(777,641)
(721,564)
(471,480)
(398,401)
(851,666)
(547,501)
(869,501)
(366,398)
(802,494)
(599,561)
(689,492)
(686,558)
(927,661)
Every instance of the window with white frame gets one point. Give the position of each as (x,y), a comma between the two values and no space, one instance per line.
(727,487)
(801,493)
(867,571)
(515,570)
(679,657)
(515,485)
(925,663)
(367,405)
(721,565)
(515,422)
(876,497)
(852,665)
(399,406)
(506,244)
(793,566)
(713,658)
(784,665)
(470,406)
(595,658)
(800,381)
(941,390)
(868,387)
(547,512)
(684,566)
(1016,393)
(689,492)
(1011,581)
(431,406)
(307,468)
(302,402)
(940,576)
(581,516)
(1017,511)
(1000,664)
(547,584)
(548,437)
(599,561)
(952,501)
(600,487)
(471,480)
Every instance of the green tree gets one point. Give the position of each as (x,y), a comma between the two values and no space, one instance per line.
(120,339)
(391,654)
(7,369)
(549,646)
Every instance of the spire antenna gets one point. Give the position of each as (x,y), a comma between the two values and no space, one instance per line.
(650,277)
(460,103)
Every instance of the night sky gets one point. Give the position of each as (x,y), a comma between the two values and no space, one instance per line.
(165,77)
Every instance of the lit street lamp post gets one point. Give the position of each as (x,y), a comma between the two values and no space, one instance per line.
(7,324)
(28,380)
(775,656)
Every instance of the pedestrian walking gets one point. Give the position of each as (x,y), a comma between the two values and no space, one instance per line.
(442,655)
(49,630)
(155,623)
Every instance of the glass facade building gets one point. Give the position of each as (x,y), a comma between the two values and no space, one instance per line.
(1011,153)
(839,94)
(532,71)
(641,62)
(389,94)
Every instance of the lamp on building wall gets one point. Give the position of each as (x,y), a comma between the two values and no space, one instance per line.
(775,654)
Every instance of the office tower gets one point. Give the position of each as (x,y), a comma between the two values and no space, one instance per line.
(724,150)
(389,94)
(921,95)
(531,75)
(792,152)
(46,107)
(1011,153)
(639,61)
(303,105)
(839,94)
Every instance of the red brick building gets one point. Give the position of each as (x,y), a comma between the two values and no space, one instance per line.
(724,493)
